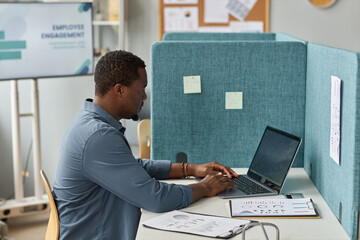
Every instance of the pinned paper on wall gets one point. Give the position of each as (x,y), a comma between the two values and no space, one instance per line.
(192,84)
(240,8)
(214,29)
(215,11)
(335,119)
(233,100)
(178,19)
(247,26)
(180,1)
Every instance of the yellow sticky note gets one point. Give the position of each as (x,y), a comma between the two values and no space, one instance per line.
(192,84)
(233,100)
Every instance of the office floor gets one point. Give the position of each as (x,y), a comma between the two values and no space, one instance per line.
(33,227)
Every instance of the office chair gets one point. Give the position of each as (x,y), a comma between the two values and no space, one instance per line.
(52,231)
(144,137)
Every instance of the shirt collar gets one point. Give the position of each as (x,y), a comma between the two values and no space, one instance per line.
(90,106)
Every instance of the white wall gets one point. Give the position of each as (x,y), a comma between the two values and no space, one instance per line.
(336,26)
(60,99)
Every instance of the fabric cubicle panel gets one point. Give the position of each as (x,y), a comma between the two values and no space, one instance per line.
(196,36)
(285,37)
(270,74)
(338,184)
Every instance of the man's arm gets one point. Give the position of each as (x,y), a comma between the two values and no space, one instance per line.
(212,184)
(109,163)
(178,170)
(209,186)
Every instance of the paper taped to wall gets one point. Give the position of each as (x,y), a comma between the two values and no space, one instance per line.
(233,100)
(192,84)
(180,19)
(335,119)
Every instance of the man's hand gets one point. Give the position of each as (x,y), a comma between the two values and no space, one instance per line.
(210,186)
(213,168)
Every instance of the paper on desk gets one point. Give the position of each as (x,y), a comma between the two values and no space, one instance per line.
(272,207)
(179,19)
(215,11)
(205,225)
(335,119)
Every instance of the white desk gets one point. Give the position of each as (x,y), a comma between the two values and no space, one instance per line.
(327,227)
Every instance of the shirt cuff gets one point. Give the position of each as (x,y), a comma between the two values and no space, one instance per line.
(162,169)
(188,193)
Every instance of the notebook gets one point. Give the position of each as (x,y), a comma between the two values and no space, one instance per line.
(268,170)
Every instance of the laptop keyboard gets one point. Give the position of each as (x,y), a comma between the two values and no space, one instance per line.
(247,186)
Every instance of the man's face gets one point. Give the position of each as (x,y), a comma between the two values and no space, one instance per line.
(135,95)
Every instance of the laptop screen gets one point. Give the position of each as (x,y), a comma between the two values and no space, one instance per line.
(274,156)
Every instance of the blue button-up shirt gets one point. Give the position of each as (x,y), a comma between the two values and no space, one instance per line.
(100,187)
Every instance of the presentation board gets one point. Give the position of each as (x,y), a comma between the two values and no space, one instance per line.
(40,40)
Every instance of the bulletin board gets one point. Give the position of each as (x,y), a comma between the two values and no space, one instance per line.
(259,12)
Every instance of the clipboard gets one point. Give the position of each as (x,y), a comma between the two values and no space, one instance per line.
(197,224)
(273,208)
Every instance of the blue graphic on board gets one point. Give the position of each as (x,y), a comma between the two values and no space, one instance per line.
(12,29)
(84,7)
(84,69)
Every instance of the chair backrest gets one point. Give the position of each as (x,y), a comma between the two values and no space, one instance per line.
(52,231)
(144,136)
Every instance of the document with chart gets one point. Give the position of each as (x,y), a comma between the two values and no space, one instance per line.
(198,224)
(297,208)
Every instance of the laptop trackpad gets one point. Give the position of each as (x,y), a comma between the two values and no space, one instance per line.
(231,192)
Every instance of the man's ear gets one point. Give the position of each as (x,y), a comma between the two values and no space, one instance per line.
(118,89)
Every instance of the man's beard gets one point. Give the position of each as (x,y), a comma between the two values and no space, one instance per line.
(135,117)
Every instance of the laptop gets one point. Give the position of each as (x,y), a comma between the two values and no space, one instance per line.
(271,163)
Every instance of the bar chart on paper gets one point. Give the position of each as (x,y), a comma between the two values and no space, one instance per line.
(301,207)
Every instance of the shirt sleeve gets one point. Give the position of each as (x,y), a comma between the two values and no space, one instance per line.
(108,161)
(159,169)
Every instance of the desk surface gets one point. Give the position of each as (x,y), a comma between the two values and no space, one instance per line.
(327,227)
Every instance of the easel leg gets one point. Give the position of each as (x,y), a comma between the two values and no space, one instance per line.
(15,125)
(36,139)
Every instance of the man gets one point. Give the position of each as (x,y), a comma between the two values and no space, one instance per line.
(99,186)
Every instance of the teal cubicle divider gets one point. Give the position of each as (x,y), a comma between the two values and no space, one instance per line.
(231,136)
(194,36)
(270,74)
(338,184)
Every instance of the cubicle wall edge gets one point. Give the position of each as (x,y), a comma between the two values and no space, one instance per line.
(209,36)
(338,184)
(270,74)
(242,36)
(285,37)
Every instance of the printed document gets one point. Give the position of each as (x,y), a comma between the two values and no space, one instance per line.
(178,19)
(198,224)
(335,119)
(215,11)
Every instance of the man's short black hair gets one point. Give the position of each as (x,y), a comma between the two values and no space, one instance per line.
(116,67)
